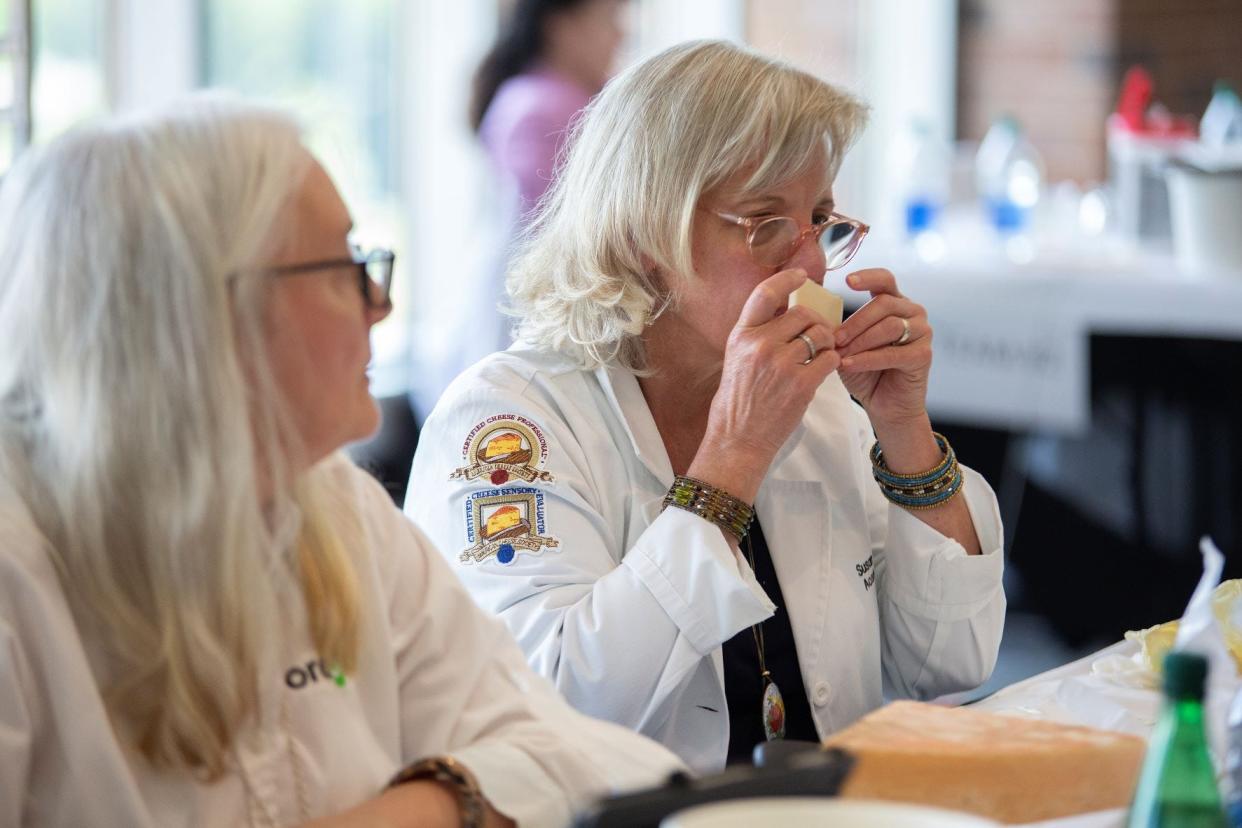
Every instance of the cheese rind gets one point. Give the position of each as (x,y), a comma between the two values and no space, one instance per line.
(824,302)
(1006,768)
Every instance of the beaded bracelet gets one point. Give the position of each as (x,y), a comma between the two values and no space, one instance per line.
(924,490)
(929,498)
(713,505)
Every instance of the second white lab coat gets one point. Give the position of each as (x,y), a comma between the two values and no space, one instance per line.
(435,676)
(625,605)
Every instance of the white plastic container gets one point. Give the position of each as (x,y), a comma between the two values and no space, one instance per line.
(1204,208)
(1140,195)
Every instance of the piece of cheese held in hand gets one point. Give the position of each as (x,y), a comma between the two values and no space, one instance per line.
(823,302)
(1006,768)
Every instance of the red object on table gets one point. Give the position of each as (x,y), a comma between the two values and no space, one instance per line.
(1136,114)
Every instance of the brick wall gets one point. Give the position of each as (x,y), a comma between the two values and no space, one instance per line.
(1048,63)
(1054,64)
(1187,44)
(1057,65)
(819,36)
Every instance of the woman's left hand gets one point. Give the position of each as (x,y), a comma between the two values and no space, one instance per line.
(882,366)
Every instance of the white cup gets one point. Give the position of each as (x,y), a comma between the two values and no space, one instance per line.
(820,812)
(1206,210)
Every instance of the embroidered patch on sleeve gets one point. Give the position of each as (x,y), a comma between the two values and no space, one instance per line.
(504,522)
(502,447)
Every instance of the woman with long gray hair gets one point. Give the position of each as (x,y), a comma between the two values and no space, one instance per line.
(664,488)
(208,616)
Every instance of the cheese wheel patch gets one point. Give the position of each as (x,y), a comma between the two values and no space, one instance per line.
(504,523)
(502,448)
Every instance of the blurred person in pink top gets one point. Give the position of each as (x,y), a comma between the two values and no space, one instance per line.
(549,59)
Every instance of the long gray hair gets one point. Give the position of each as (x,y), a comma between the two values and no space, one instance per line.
(139,423)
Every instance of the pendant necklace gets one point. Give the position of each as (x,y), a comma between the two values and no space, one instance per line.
(773,701)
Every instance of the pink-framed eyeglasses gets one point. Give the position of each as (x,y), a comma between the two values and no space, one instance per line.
(772,241)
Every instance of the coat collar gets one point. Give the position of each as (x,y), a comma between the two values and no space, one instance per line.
(792,502)
(625,397)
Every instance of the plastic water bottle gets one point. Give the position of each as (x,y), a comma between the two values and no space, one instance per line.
(925,170)
(1009,177)
(1222,120)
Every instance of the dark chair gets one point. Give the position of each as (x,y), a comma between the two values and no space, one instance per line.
(388,453)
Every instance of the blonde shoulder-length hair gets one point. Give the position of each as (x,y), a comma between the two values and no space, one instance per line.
(657,138)
(139,422)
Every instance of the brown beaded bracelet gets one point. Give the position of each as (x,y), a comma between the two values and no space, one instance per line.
(448,771)
(713,505)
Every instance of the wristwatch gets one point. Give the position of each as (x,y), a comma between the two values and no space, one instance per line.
(448,770)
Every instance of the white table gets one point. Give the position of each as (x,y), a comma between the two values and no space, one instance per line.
(1059,695)
(1011,340)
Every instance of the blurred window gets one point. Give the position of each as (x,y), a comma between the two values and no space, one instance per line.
(68,82)
(14,80)
(336,65)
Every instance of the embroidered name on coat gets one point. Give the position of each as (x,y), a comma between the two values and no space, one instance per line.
(866,571)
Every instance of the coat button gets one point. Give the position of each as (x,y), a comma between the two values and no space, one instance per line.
(821,693)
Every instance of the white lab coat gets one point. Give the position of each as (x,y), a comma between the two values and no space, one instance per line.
(435,676)
(628,610)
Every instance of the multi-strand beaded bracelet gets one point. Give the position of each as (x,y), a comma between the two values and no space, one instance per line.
(925,490)
(713,505)
(911,491)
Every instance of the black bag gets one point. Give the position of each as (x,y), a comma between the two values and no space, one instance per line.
(789,769)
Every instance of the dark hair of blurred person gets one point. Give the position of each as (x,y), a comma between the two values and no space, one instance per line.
(576,38)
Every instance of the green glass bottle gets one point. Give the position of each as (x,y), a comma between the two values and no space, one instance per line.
(1177,787)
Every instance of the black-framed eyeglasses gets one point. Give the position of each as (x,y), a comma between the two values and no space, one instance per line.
(374,273)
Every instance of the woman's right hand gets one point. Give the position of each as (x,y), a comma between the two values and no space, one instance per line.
(764,386)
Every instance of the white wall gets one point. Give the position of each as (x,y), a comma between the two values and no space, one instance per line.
(663,23)
(907,70)
(446,181)
(151,51)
